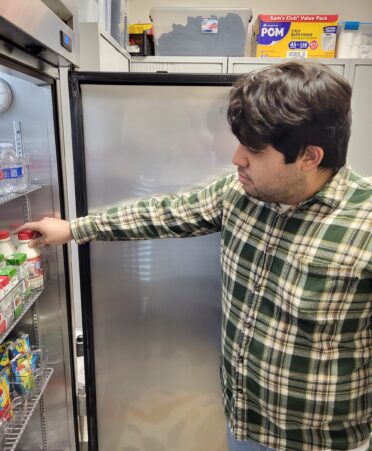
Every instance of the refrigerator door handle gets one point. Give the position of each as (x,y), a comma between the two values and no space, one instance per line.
(82,412)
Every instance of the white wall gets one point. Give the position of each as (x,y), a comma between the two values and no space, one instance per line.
(138,10)
(361,10)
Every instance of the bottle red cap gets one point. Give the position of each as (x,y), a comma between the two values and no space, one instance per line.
(25,235)
(4,234)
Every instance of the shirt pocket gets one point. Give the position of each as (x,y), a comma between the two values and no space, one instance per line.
(317,292)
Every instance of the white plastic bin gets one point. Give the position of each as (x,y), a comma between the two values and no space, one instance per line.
(181,31)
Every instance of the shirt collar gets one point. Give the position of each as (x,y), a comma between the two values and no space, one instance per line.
(333,191)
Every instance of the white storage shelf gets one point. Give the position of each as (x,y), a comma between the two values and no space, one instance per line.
(18,425)
(218,65)
(10,197)
(30,301)
(248,64)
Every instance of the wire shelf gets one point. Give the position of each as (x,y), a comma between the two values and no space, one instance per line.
(15,430)
(9,197)
(29,302)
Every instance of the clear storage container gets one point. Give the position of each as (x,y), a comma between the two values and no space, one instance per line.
(354,40)
(181,31)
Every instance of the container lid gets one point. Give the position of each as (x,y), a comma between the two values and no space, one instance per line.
(139,28)
(25,235)
(199,8)
(202,11)
(349,25)
(4,281)
(4,234)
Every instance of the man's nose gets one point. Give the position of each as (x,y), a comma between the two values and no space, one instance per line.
(240,157)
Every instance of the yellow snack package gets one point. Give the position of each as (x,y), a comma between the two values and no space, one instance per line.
(6,410)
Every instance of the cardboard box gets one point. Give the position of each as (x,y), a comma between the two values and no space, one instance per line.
(290,36)
(140,39)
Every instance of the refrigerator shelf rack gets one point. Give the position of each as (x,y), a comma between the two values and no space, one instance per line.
(9,197)
(16,429)
(30,301)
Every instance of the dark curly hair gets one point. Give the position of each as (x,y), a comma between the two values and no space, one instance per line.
(290,106)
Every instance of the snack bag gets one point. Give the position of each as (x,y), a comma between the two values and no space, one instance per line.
(13,351)
(19,346)
(22,344)
(4,354)
(4,357)
(6,410)
(22,375)
(35,360)
(5,360)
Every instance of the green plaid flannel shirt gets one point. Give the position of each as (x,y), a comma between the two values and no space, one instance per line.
(296,300)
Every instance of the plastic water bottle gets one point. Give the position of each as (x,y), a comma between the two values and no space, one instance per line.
(12,169)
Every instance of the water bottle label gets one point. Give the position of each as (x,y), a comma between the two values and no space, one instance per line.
(13,173)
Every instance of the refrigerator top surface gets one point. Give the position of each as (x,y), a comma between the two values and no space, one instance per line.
(32,26)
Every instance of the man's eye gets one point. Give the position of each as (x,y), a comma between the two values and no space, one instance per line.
(252,150)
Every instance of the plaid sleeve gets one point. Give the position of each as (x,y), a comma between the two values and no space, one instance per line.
(194,213)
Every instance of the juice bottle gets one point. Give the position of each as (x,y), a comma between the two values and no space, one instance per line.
(35,269)
(7,248)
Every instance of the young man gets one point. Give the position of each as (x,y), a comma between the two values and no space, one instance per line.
(296,257)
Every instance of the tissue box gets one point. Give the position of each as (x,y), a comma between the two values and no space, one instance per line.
(181,31)
(290,36)
(354,40)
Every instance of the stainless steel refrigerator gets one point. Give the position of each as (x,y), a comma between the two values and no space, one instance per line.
(31,124)
(31,54)
(151,309)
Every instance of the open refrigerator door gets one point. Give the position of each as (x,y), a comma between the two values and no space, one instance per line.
(39,409)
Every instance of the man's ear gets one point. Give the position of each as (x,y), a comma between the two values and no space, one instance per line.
(311,158)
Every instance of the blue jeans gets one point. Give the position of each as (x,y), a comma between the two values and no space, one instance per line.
(246,445)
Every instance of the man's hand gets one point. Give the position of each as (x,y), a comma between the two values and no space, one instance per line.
(50,231)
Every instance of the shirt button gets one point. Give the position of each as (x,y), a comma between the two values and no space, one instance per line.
(256,288)
(240,358)
(240,391)
(270,250)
